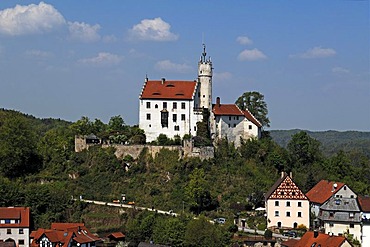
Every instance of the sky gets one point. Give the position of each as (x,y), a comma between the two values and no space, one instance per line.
(68,59)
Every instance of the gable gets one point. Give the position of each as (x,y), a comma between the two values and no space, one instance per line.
(323,190)
(181,90)
(287,189)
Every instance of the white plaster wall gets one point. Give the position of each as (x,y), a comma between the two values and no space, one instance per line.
(293,209)
(16,236)
(365,235)
(153,126)
(341,228)
(345,192)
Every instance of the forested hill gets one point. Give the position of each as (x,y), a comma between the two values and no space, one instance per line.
(331,141)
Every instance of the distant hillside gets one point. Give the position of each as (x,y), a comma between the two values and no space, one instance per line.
(332,141)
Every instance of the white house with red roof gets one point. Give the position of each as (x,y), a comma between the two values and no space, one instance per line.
(15,225)
(174,107)
(364,202)
(233,123)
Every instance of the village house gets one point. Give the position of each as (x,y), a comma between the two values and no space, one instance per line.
(174,108)
(64,235)
(15,225)
(286,205)
(317,239)
(364,202)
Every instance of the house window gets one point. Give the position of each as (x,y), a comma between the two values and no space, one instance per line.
(174,105)
(300,204)
(164,105)
(287,214)
(177,128)
(20,230)
(164,119)
(276,213)
(8,231)
(229,125)
(183,117)
(288,204)
(148,116)
(276,203)
(147,104)
(195,128)
(250,127)
(299,214)
(331,214)
(229,118)
(237,118)
(21,241)
(7,221)
(182,105)
(351,215)
(351,225)
(234,125)
(156,106)
(174,117)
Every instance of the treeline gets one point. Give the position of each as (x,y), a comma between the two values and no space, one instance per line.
(40,169)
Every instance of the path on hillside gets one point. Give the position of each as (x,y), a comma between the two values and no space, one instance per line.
(113,204)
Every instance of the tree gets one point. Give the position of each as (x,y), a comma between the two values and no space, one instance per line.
(255,104)
(303,149)
(116,124)
(82,126)
(17,147)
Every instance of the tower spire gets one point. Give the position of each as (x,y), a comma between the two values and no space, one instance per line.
(204,53)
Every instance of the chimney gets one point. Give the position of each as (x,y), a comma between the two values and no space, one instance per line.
(291,174)
(282,174)
(315,234)
(218,101)
(163,80)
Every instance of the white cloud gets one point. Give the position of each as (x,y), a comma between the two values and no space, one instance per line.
(251,55)
(84,32)
(339,70)
(153,29)
(39,54)
(244,40)
(316,52)
(167,65)
(29,19)
(222,76)
(109,39)
(103,58)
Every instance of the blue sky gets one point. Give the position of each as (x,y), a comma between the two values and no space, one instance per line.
(68,59)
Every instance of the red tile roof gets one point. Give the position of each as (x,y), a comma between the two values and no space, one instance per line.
(116,235)
(323,190)
(227,109)
(324,240)
(251,118)
(65,226)
(289,243)
(184,90)
(364,203)
(15,213)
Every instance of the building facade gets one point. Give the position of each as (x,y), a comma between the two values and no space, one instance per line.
(286,205)
(15,225)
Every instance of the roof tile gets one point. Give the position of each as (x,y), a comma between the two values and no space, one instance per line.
(184,90)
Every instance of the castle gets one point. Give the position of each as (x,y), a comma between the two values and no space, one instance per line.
(174,107)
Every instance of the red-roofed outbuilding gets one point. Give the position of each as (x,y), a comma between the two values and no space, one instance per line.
(15,225)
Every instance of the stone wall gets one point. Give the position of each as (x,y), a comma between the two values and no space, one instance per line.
(188,150)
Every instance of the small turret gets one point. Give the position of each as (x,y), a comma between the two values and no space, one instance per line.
(205,80)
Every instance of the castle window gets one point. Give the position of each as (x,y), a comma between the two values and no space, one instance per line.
(156,106)
(177,128)
(164,119)
(174,105)
(147,104)
(8,231)
(20,230)
(182,105)
(204,96)
(195,128)
(164,105)
(250,127)
(174,117)
(148,116)
(21,242)
(183,117)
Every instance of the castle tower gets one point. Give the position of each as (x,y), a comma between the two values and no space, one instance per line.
(205,80)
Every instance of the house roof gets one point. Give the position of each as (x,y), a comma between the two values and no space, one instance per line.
(289,243)
(324,240)
(65,226)
(323,190)
(15,213)
(179,90)
(251,118)
(364,202)
(116,235)
(285,188)
(341,204)
(54,236)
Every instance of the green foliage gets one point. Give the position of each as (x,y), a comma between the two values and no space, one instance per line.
(203,137)
(268,234)
(254,102)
